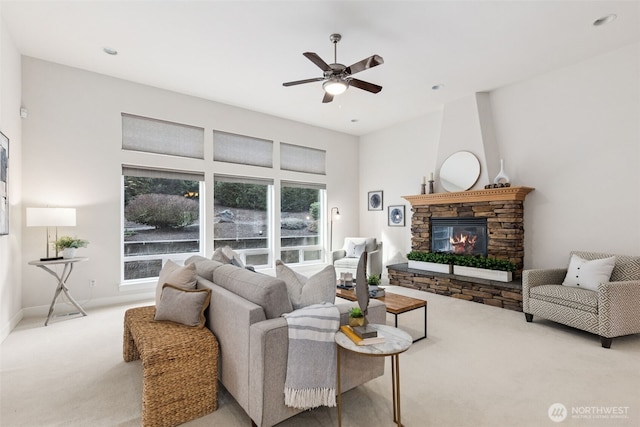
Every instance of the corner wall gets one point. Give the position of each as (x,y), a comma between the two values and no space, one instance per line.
(573,134)
(10,125)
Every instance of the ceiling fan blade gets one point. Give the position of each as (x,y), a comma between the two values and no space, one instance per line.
(370,87)
(327,98)
(313,57)
(299,82)
(365,64)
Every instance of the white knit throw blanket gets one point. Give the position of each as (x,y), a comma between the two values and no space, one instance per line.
(311,367)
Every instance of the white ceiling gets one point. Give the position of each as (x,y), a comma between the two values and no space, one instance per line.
(240,52)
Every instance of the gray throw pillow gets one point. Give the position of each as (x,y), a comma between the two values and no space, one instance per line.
(183,306)
(304,291)
(182,276)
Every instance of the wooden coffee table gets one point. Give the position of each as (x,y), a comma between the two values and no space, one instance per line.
(396,304)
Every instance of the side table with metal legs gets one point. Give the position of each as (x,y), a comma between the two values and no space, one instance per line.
(62,280)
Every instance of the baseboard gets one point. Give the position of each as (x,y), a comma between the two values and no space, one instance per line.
(13,322)
(43,310)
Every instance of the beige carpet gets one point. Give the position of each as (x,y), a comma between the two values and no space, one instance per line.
(480,366)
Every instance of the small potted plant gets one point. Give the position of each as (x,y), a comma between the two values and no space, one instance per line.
(69,245)
(356,318)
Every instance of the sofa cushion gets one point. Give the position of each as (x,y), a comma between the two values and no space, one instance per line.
(578,298)
(204,266)
(182,276)
(183,306)
(351,263)
(304,291)
(370,243)
(268,292)
(588,274)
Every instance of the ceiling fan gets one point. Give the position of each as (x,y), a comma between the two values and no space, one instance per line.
(337,78)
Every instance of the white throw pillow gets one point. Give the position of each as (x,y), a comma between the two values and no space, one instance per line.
(587,274)
(184,277)
(304,291)
(353,250)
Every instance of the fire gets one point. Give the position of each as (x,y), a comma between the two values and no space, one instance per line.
(463,243)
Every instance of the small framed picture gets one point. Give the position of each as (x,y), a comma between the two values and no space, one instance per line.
(375,200)
(396,216)
(4,184)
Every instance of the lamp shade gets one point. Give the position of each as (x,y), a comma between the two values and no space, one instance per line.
(334,86)
(51,217)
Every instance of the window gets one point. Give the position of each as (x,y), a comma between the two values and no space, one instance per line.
(242,215)
(244,150)
(161,214)
(302,159)
(301,222)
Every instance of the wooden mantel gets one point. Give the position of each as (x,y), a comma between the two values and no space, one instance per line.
(486,195)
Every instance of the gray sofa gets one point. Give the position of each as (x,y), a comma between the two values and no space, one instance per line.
(245,316)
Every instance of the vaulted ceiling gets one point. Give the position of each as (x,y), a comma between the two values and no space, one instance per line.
(240,52)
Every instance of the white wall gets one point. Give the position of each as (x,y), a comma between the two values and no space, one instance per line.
(73,157)
(395,160)
(573,134)
(10,245)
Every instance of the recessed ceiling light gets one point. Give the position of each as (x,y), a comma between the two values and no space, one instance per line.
(109,50)
(437,87)
(604,20)
(354,120)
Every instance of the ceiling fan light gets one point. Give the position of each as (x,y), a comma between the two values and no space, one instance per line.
(334,86)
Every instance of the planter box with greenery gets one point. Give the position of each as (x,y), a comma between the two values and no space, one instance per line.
(463,265)
(430,261)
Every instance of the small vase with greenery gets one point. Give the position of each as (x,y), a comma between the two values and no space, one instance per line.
(356,317)
(69,245)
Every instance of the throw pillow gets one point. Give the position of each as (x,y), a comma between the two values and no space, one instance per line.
(353,250)
(183,306)
(588,274)
(219,256)
(304,291)
(234,257)
(182,276)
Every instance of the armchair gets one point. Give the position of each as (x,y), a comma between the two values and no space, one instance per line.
(345,260)
(611,311)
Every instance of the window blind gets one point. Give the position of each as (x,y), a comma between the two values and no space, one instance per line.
(161,137)
(302,159)
(144,172)
(244,150)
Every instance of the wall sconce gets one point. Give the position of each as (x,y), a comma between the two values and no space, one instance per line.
(51,217)
(331,229)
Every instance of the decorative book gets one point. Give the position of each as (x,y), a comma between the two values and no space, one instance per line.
(348,331)
(365,331)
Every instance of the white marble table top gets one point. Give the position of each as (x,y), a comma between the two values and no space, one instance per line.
(395,341)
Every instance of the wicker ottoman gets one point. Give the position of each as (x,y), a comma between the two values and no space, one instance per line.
(179,368)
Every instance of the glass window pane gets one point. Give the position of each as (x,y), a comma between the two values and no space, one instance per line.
(161,217)
(241,221)
(301,219)
(161,137)
(244,150)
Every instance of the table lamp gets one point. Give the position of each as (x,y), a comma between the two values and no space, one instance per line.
(51,217)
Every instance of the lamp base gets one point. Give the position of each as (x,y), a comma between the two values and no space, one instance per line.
(51,258)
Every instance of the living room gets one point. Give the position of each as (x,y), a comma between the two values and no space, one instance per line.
(571,132)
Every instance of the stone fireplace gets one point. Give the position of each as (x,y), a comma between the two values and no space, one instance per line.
(494,215)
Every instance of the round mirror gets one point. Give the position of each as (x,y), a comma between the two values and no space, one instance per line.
(460,171)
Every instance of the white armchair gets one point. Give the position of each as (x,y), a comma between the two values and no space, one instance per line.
(345,260)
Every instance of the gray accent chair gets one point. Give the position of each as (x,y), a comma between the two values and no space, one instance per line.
(611,311)
(343,263)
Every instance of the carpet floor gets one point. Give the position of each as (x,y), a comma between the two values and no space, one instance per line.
(479,366)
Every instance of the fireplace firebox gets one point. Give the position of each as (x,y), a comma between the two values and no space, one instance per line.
(467,236)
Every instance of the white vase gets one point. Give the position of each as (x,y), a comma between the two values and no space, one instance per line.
(429,266)
(501,178)
(69,253)
(482,273)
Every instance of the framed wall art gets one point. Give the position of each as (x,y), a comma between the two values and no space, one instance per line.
(4,185)
(396,216)
(374,200)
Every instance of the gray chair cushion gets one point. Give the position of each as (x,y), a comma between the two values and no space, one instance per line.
(581,299)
